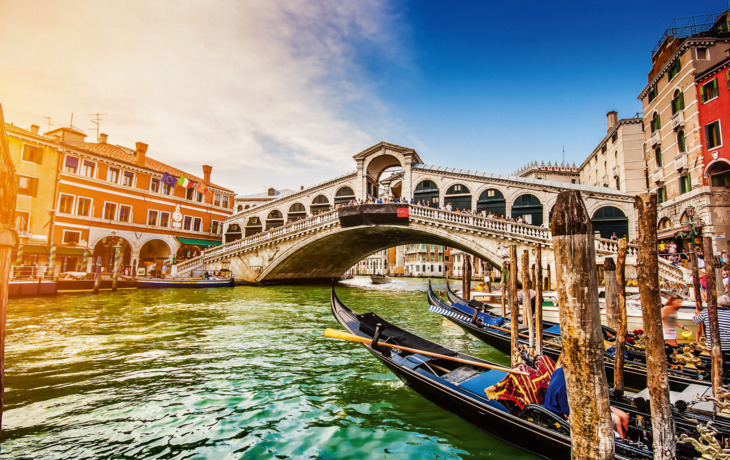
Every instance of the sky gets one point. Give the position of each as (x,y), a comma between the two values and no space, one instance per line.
(283,93)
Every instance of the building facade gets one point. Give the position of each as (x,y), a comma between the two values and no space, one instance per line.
(671,102)
(553,172)
(427,260)
(108,198)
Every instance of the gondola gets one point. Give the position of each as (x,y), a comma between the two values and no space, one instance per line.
(184,282)
(459,388)
(461,312)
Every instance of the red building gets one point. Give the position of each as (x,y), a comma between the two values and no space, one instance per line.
(713,94)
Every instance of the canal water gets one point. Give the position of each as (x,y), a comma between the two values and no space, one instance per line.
(239,372)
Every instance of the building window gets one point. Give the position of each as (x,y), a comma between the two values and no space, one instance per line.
(658,156)
(113,175)
(151,217)
(27,186)
(32,153)
(652,94)
(217,199)
(614,137)
(164,219)
(215,227)
(685,184)
(656,122)
(22,221)
(71,164)
(125,213)
(677,102)
(603,148)
(661,194)
(155,185)
(709,91)
(71,237)
(128,179)
(225,201)
(197,224)
(83,207)
(166,189)
(618,183)
(88,168)
(712,134)
(198,196)
(189,193)
(110,211)
(187,222)
(703,54)
(674,70)
(66,203)
(681,142)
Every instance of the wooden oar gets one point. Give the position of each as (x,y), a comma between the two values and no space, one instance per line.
(335,334)
(524,336)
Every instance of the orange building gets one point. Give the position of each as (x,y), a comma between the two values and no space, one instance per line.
(108,196)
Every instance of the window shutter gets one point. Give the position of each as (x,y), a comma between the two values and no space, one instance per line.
(39,155)
(34,186)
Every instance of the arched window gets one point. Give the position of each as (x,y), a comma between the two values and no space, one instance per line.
(458,196)
(233,233)
(492,201)
(677,102)
(529,208)
(320,204)
(253,226)
(296,211)
(427,192)
(239,208)
(247,207)
(609,220)
(681,142)
(344,195)
(656,122)
(664,224)
(274,219)
(658,156)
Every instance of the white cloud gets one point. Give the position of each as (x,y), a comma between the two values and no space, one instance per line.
(259,89)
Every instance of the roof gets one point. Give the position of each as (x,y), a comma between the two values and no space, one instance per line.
(385,145)
(264,195)
(126,155)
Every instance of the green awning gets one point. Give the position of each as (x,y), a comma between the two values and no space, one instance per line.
(197,242)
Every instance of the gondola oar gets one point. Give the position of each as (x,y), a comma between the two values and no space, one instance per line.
(335,334)
(506,330)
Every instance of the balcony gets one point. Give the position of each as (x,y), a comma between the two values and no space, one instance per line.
(678,120)
(616,171)
(658,176)
(680,162)
(655,139)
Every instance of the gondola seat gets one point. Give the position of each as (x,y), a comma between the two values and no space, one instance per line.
(544,417)
(553,329)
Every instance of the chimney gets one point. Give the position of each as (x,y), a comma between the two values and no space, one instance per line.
(34,129)
(271,192)
(102,138)
(141,153)
(611,119)
(207,169)
(301,187)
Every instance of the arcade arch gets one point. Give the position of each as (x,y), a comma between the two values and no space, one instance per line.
(344,195)
(426,192)
(320,203)
(233,233)
(296,211)
(253,226)
(458,196)
(492,200)
(609,220)
(528,207)
(153,254)
(274,219)
(105,248)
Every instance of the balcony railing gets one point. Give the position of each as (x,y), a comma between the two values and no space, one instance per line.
(658,175)
(677,120)
(680,162)
(655,139)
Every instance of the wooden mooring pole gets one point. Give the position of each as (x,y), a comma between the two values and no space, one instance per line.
(609,284)
(503,282)
(621,330)
(549,280)
(466,276)
(526,301)
(580,326)
(716,351)
(8,241)
(538,301)
(514,314)
(647,264)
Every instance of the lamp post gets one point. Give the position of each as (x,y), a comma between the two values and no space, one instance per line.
(693,227)
(504,254)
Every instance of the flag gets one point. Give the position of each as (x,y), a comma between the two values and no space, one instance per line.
(200,187)
(169,179)
(183,182)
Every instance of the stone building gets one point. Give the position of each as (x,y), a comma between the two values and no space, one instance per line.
(553,172)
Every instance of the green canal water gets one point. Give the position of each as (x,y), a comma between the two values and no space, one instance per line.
(224,373)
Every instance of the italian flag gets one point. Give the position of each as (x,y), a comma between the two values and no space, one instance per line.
(183,181)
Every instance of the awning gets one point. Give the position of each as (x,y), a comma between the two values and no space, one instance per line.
(31,249)
(668,233)
(197,242)
(65,251)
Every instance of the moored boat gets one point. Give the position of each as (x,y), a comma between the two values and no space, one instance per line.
(184,282)
(380,279)
(460,388)
(84,282)
(31,287)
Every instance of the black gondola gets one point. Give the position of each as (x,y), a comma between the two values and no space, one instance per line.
(634,364)
(459,388)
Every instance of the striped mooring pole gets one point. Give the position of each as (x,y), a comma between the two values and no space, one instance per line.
(19,257)
(85,263)
(52,260)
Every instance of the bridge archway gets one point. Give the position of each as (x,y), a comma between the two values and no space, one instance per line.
(492,200)
(274,219)
(344,195)
(233,233)
(253,226)
(528,207)
(458,196)
(320,203)
(296,211)
(608,220)
(427,192)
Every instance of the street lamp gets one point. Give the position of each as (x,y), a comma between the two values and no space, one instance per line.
(692,228)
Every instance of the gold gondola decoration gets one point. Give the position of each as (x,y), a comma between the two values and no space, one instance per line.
(707,445)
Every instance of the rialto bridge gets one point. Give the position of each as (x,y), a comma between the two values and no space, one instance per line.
(300,235)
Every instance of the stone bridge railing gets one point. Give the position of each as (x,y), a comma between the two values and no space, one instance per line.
(511,230)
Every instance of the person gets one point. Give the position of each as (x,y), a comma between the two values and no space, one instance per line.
(614,236)
(556,400)
(669,320)
(723,319)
